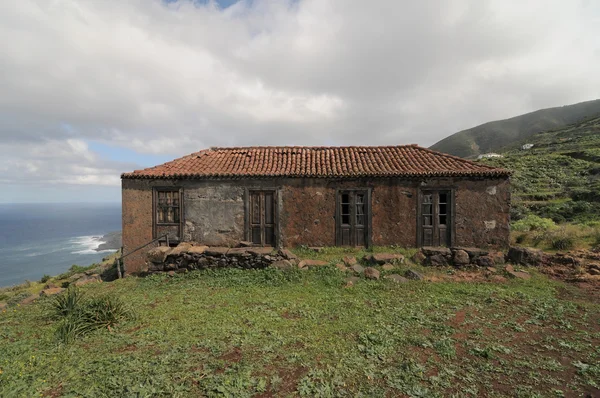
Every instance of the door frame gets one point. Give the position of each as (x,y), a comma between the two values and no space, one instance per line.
(369,215)
(451,208)
(276,210)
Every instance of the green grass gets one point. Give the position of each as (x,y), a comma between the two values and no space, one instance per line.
(302,333)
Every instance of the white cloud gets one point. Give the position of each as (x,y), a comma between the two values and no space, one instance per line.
(174,78)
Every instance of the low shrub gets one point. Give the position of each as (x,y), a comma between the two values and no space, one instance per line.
(562,239)
(533,223)
(45,278)
(79,315)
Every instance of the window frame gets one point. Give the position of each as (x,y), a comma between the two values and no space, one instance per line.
(155,207)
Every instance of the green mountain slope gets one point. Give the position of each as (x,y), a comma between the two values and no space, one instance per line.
(559,177)
(497,136)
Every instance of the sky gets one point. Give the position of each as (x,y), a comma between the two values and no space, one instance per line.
(91,89)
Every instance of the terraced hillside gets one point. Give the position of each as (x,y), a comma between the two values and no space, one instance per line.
(498,135)
(559,177)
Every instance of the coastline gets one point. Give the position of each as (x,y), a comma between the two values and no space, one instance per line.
(110,241)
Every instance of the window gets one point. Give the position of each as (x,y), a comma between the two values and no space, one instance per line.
(167,207)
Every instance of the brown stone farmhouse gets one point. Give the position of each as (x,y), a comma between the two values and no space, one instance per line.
(316,196)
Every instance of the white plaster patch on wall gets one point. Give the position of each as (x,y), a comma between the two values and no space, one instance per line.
(490,224)
(491,190)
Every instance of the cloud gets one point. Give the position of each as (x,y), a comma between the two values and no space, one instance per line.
(171,78)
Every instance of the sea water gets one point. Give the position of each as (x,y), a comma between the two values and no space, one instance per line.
(40,239)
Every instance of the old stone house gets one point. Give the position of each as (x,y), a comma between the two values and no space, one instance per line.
(316,196)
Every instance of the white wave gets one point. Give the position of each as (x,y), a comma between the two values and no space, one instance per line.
(88,245)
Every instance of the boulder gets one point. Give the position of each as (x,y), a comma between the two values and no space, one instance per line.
(219,251)
(171,273)
(460,258)
(238,251)
(282,264)
(359,269)
(473,252)
(372,273)
(288,255)
(411,274)
(197,249)
(491,269)
(311,263)
(75,277)
(594,271)
(245,243)
(341,267)
(485,261)
(260,251)
(51,285)
(435,251)
(498,257)
(30,299)
(88,279)
(437,260)
(419,257)
(158,254)
(382,258)
(519,274)
(180,249)
(498,278)
(388,267)
(396,278)
(349,260)
(351,281)
(51,291)
(525,256)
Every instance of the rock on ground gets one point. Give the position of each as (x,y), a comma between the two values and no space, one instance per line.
(282,264)
(461,257)
(412,274)
(349,261)
(396,278)
(311,263)
(372,273)
(359,269)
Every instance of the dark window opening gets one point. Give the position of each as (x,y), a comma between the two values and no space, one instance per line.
(168,207)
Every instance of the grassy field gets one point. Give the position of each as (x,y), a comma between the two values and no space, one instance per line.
(302,333)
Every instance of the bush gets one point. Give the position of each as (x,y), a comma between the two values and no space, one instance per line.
(533,223)
(45,278)
(562,239)
(80,315)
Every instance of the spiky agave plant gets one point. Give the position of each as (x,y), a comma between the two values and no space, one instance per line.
(80,315)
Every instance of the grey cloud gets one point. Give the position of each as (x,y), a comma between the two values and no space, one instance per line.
(173,78)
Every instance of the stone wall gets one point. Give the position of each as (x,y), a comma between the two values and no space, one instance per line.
(190,256)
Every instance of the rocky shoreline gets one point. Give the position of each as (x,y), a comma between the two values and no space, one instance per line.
(112,241)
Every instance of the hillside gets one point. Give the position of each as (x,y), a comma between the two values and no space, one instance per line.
(498,135)
(559,177)
(295,333)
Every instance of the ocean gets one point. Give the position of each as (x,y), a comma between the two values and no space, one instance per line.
(39,239)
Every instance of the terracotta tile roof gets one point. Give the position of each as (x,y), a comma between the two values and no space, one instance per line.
(319,162)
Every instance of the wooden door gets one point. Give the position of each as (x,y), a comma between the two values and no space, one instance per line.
(435,223)
(262,218)
(352,220)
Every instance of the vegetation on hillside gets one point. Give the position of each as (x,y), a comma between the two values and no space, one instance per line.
(559,178)
(242,333)
(499,135)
